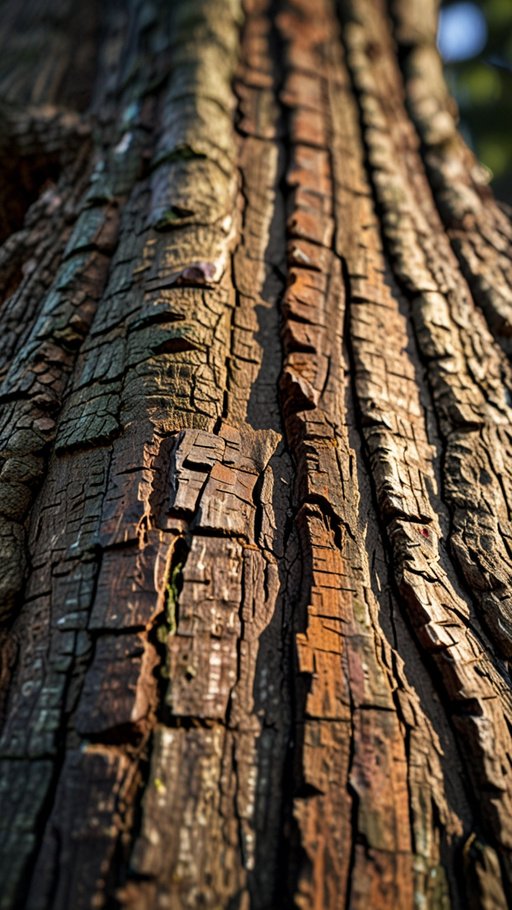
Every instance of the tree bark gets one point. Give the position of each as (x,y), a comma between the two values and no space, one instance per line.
(255,486)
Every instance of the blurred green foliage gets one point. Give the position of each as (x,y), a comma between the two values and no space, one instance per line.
(482,87)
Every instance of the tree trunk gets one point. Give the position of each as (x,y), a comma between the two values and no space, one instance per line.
(256,487)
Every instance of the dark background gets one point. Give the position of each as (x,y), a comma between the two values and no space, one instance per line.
(482,83)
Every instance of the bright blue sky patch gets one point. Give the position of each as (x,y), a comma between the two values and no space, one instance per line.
(462,32)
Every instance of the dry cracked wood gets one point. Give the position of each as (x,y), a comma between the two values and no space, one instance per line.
(256,614)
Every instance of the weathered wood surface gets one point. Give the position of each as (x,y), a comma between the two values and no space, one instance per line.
(255,486)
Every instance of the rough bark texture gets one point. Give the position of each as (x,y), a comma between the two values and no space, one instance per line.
(255,487)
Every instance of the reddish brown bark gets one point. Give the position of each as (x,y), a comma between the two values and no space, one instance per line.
(255,484)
